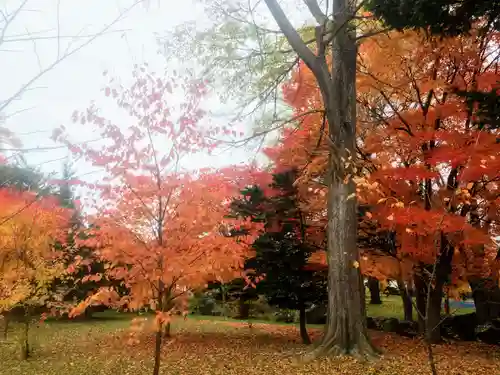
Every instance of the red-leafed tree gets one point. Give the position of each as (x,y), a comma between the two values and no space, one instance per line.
(426,167)
(160,228)
(436,166)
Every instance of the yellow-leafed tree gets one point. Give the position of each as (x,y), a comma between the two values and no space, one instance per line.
(28,260)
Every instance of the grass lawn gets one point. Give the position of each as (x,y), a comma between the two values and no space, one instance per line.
(392,307)
(219,346)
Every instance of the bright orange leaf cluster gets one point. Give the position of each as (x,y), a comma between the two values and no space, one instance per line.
(160,229)
(424,166)
(29,225)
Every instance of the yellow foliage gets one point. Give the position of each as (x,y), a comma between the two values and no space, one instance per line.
(28,260)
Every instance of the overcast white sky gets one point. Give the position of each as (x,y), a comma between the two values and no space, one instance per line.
(78,80)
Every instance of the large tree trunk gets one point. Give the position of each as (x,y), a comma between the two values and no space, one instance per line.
(304,335)
(407,301)
(374,287)
(345,331)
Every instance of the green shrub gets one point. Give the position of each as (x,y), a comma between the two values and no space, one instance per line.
(286,316)
(202,304)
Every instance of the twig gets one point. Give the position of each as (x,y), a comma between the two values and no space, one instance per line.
(69,53)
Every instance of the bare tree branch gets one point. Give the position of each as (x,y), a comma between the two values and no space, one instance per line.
(59,59)
(316,11)
(9,18)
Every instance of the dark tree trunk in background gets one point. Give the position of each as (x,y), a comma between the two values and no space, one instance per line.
(442,273)
(486,295)
(434,319)
(374,287)
(303,325)
(447,310)
(420,299)
(243,308)
(433,289)
(428,321)
(88,313)
(166,331)
(407,301)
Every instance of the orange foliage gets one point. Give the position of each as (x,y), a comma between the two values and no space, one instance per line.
(161,229)
(28,261)
(413,132)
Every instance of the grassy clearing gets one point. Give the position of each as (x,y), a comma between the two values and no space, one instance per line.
(201,346)
(392,307)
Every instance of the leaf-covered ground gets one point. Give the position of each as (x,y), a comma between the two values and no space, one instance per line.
(223,347)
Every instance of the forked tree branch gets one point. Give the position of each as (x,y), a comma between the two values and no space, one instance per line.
(291,34)
(6,102)
(316,11)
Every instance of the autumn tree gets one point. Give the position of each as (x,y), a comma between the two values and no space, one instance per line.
(18,177)
(160,228)
(476,21)
(376,105)
(392,178)
(335,34)
(29,262)
(437,155)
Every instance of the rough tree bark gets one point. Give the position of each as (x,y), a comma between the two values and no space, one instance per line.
(374,287)
(345,331)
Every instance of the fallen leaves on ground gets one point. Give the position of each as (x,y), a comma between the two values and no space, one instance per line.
(219,347)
